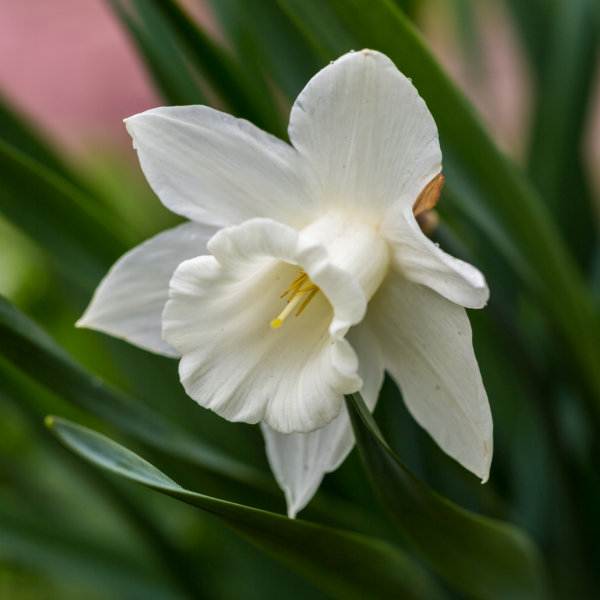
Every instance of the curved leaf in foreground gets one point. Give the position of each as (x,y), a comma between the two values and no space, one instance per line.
(483,557)
(345,564)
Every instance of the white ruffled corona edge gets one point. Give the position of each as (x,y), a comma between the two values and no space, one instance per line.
(337,205)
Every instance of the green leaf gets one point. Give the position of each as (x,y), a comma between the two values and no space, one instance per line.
(346,565)
(506,265)
(266,42)
(14,130)
(482,557)
(533,20)
(160,51)
(84,570)
(552,275)
(80,237)
(54,205)
(51,546)
(320,25)
(24,397)
(33,351)
(561,115)
(247,97)
(464,16)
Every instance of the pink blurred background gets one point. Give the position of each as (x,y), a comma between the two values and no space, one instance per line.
(68,64)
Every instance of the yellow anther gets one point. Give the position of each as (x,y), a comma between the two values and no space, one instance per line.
(309,297)
(295,284)
(302,289)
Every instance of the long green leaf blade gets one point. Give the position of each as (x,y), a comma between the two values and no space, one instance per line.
(347,565)
(484,558)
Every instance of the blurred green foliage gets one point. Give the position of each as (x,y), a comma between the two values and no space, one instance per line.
(70,531)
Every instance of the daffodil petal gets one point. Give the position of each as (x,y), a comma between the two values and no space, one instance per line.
(130,299)
(218,317)
(299,461)
(421,261)
(213,168)
(366,133)
(428,350)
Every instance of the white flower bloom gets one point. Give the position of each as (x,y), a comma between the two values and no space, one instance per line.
(323,229)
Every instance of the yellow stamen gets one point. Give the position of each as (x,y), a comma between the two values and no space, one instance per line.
(302,289)
(295,284)
(308,298)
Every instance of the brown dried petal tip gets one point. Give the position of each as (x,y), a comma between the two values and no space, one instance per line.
(430,195)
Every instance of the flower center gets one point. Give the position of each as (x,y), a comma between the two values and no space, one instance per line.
(301,291)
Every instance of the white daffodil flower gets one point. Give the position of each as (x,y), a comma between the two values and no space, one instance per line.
(302,273)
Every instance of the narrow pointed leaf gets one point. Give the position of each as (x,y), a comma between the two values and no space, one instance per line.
(482,557)
(345,564)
